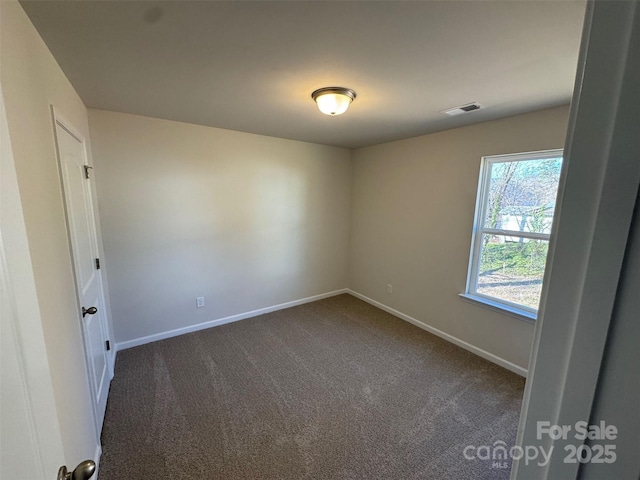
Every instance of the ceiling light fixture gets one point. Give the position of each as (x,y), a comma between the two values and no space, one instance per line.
(333,100)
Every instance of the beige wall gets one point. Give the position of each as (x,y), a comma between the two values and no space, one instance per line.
(411,217)
(246,221)
(31,81)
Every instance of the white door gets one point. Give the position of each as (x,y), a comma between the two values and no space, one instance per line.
(74,171)
(30,440)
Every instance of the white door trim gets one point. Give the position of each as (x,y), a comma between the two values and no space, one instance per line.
(22,331)
(600,181)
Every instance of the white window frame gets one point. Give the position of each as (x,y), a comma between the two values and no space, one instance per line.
(471,293)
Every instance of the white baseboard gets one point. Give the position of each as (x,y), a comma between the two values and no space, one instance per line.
(221,321)
(450,338)
(254,313)
(96,458)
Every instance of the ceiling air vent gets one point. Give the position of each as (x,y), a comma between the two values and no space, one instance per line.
(470,107)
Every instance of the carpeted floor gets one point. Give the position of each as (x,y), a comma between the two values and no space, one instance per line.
(335,389)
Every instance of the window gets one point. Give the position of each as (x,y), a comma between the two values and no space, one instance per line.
(514,212)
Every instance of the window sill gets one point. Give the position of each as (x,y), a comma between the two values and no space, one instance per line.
(484,302)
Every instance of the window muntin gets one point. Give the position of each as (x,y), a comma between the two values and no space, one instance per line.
(514,213)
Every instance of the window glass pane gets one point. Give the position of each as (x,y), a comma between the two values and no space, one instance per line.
(522,195)
(512,268)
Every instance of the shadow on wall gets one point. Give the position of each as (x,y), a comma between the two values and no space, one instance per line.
(188,211)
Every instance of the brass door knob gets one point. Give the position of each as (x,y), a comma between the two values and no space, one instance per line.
(81,472)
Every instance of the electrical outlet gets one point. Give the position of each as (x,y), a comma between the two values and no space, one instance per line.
(199,302)
(389,288)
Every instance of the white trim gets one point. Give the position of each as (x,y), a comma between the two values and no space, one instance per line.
(598,192)
(24,391)
(515,233)
(96,458)
(471,289)
(221,321)
(254,313)
(450,338)
(498,306)
(514,157)
(22,329)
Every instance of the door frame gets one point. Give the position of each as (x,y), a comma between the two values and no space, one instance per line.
(599,187)
(22,326)
(59,119)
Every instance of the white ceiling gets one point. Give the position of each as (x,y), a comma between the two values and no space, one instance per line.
(251,66)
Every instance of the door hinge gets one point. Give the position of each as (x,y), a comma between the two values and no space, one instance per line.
(86,171)
(97,264)
(108,345)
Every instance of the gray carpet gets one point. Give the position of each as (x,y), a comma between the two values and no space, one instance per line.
(335,389)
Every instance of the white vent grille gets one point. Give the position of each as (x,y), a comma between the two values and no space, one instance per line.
(469,107)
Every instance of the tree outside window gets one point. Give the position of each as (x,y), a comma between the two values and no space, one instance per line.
(514,214)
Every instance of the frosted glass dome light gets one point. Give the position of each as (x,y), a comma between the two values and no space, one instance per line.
(333,100)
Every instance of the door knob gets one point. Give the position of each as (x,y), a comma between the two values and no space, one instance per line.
(81,472)
(89,311)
